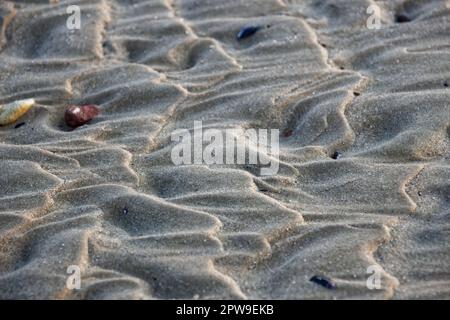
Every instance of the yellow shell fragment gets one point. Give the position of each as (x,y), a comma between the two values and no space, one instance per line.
(10,112)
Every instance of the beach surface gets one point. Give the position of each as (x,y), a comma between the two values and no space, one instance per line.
(363,186)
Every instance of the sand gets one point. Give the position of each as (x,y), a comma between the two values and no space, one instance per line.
(107,198)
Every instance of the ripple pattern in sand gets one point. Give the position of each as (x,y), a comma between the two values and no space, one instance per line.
(107,197)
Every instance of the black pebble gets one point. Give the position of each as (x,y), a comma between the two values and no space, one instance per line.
(401,18)
(446,84)
(125,210)
(19,125)
(336,155)
(247,32)
(323,281)
(356,93)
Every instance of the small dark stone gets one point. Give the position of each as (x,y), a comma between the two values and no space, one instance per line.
(263,190)
(419,193)
(446,84)
(108,46)
(247,32)
(287,133)
(402,18)
(336,155)
(356,93)
(19,125)
(342,68)
(323,281)
(125,210)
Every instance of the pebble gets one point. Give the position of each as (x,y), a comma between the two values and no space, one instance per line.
(336,155)
(10,112)
(323,281)
(402,18)
(76,116)
(247,32)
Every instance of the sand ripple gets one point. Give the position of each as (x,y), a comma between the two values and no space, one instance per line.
(107,197)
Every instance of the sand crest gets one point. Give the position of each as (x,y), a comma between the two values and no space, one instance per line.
(364,171)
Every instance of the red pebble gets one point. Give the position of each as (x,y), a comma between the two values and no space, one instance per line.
(76,116)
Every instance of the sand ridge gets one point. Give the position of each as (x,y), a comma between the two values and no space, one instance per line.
(106,196)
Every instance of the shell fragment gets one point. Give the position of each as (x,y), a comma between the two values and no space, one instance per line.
(10,112)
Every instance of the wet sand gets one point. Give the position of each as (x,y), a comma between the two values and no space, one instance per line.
(364,158)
